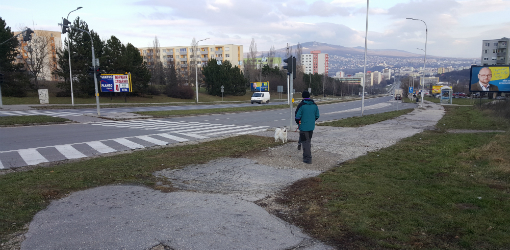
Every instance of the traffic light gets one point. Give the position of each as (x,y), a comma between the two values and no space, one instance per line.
(91,71)
(98,73)
(288,61)
(27,35)
(65,25)
(294,67)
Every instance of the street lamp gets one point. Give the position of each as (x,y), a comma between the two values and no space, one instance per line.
(365,66)
(196,63)
(69,52)
(424,59)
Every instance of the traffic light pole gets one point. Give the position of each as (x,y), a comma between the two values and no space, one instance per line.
(291,97)
(93,65)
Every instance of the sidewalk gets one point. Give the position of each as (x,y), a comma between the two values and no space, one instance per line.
(214,208)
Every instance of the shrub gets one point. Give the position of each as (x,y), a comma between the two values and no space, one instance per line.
(182,92)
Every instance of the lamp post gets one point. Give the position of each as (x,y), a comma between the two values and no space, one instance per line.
(424,59)
(365,66)
(196,63)
(69,52)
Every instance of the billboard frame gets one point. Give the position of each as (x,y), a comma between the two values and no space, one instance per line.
(498,82)
(130,84)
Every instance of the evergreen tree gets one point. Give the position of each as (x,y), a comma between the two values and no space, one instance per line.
(231,78)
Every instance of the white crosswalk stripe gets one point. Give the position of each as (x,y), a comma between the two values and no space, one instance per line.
(152,140)
(169,132)
(100,147)
(128,143)
(31,156)
(42,112)
(69,152)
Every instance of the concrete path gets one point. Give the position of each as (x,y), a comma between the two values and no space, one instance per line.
(214,208)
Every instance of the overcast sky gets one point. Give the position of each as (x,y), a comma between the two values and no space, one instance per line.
(456,28)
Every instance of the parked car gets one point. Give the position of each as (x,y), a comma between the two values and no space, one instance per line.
(459,95)
(500,97)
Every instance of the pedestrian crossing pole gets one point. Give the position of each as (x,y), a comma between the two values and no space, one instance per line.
(291,97)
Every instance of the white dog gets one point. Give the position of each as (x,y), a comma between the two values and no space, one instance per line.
(280,134)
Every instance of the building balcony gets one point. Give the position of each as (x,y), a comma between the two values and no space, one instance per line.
(501,46)
(183,59)
(169,52)
(501,61)
(204,52)
(501,54)
(204,59)
(219,58)
(220,51)
(184,65)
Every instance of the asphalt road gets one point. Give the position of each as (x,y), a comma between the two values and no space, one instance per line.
(32,145)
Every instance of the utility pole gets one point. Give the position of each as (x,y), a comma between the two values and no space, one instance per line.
(65,23)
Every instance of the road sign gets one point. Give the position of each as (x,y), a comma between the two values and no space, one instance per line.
(222,89)
(411,90)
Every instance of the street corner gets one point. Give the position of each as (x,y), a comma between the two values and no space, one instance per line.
(119,116)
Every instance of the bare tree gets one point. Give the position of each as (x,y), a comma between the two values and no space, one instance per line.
(36,56)
(156,66)
(251,63)
(271,55)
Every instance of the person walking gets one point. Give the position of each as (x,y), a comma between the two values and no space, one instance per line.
(306,116)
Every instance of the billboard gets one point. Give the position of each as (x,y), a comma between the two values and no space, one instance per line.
(259,86)
(116,83)
(494,78)
(437,89)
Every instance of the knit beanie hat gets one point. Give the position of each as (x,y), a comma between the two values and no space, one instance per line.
(305,94)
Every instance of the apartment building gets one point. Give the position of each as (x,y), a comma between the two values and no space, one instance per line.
(30,51)
(495,52)
(315,62)
(183,56)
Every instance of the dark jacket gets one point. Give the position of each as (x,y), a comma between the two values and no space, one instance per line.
(476,87)
(307,113)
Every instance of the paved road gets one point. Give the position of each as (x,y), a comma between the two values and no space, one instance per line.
(32,145)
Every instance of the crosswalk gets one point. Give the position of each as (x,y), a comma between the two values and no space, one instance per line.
(44,112)
(166,132)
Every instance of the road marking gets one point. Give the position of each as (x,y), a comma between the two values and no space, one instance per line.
(100,147)
(152,140)
(175,138)
(31,156)
(69,152)
(128,143)
(194,135)
(1,165)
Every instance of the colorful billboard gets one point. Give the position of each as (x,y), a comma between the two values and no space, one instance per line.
(437,89)
(116,83)
(259,86)
(494,78)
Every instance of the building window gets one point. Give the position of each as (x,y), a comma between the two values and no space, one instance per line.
(494,58)
(493,51)
(227,55)
(183,50)
(495,44)
(485,51)
(487,44)
(227,48)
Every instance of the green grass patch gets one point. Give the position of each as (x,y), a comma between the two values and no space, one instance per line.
(359,121)
(169,113)
(434,190)
(30,120)
(26,193)
(471,117)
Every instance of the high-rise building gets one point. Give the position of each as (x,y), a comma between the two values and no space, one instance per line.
(315,62)
(183,56)
(42,50)
(495,52)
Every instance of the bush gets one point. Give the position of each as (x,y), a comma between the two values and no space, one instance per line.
(182,92)
(153,90)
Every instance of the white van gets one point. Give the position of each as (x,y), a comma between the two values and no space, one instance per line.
(260,97)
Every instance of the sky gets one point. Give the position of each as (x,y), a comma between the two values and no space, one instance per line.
(456,28)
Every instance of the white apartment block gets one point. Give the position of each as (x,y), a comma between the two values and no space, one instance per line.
(183,57)
(495,52)
(41,38)
(315,62)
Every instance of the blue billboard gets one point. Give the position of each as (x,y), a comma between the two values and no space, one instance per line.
(116,83)
(493,78)
(259,86)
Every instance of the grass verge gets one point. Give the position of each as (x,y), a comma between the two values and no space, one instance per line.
(30,120)
(26,193)
(434,190)
(359,121)
(169,113)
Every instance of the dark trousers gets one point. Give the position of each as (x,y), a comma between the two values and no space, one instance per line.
(306,139)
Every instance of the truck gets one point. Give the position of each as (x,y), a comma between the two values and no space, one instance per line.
(398,94)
